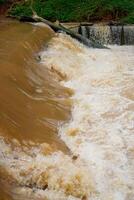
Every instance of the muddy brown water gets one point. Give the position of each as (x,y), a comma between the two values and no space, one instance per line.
(98,134)
(32,103)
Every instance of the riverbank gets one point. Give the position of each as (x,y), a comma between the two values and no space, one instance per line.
(5,6)
(66,11)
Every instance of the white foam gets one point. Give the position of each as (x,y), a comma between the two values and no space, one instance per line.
(30,170)
(100,131)
(101,128)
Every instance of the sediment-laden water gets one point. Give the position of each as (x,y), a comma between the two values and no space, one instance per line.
(32,102)
(98,132)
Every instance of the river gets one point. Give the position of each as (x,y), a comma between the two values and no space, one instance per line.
(67,117)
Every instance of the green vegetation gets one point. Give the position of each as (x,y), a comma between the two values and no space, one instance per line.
(78,10)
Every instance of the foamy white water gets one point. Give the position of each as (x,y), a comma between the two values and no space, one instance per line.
(99,133)
(101,130)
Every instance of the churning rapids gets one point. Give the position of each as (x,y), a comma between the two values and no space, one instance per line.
(91,157)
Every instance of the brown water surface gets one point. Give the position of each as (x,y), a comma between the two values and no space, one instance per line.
(32,103)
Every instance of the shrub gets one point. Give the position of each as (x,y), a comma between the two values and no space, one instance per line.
(78,10)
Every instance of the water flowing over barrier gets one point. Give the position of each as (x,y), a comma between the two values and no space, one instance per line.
(99,132)
(109,34)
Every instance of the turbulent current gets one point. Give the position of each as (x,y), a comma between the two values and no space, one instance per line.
(92,154)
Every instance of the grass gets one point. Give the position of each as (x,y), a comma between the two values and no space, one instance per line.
(78,10)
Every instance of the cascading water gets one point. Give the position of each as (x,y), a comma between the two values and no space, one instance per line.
(106,34)
(99,133)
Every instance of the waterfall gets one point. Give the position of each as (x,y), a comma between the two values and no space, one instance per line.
(109,34)
(83,93)
(129,34)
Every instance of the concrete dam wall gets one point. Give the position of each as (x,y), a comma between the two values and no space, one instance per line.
(108,34)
